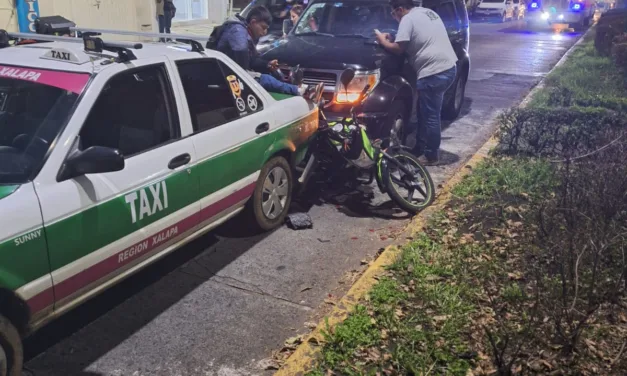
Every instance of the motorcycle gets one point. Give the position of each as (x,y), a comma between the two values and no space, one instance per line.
(346,144)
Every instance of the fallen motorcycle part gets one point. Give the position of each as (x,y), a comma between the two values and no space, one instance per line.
(299,221)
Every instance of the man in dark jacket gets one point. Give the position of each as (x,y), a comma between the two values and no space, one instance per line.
(238,40)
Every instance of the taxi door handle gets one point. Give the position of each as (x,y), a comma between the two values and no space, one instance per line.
(262,128)
(179,161)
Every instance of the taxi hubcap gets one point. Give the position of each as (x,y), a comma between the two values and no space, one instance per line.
(275,190)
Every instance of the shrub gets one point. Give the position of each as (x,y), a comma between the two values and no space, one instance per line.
(585,80)
(619,50)
(557,132)
(583,238)
(609,26)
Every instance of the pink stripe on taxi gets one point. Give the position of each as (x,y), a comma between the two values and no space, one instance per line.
(74,82)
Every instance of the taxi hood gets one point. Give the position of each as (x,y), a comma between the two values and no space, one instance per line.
(7,190)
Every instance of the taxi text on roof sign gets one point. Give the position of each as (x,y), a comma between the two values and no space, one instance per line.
(65,55)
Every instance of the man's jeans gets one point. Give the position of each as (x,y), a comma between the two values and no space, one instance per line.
(431,91)
(270,83)
(165,23)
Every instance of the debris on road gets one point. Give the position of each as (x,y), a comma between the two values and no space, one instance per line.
(299,221)
(292,343)
(269,364)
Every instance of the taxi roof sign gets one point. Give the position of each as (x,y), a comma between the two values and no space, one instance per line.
(66,55)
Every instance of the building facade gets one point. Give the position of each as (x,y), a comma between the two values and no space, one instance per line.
(133,15)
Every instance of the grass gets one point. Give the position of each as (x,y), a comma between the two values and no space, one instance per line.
(585,79)
(410,324)
(463,296)
(514,177)
(420,318)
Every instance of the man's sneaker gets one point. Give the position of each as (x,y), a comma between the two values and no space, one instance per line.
(427,162)
(302,90)
(312,92)
(316,96)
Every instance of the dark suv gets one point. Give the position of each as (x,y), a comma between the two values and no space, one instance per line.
(332,35)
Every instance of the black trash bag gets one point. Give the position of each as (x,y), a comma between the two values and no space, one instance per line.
(299,221)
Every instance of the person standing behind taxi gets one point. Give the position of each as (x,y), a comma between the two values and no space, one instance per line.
(165,12)
(423,38)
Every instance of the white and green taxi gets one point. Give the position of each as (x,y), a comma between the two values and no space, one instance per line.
(111,160)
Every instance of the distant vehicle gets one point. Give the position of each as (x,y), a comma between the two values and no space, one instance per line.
(504,10)
(576,14)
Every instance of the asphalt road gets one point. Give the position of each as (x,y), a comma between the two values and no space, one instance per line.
(222,304)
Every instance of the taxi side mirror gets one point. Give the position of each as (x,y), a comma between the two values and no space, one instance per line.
(93,160)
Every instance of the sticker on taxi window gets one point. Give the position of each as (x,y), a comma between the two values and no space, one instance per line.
(235,86)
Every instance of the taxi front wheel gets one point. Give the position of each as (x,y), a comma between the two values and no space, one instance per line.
(11,353)
(273,194)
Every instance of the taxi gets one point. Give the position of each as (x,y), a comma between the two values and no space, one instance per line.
(113,155)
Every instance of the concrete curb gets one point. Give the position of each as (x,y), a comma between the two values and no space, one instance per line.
(304,358)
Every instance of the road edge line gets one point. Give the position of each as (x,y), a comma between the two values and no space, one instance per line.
(305,356)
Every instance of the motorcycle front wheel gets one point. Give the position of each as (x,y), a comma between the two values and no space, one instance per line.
(411,194)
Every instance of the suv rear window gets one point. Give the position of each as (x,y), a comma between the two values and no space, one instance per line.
(449,15)
(35,104)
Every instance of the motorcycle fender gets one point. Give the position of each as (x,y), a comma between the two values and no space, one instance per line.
(386,92)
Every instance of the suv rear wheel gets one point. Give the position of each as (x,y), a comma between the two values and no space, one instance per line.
(398,121)
(454,98)
(11,353)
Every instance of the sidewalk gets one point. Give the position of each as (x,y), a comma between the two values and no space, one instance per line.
(203,29)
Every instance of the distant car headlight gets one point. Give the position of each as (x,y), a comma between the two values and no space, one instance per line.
(560,17)
(544,16)
(357,85)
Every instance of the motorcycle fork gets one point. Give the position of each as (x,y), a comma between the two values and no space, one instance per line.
(378,169)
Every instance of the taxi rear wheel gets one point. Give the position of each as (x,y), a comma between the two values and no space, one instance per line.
(273,194)
(11,353)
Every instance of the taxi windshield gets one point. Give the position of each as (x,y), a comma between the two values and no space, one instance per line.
(34,107)
(350,19)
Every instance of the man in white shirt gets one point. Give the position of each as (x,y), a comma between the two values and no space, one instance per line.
(423,39)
